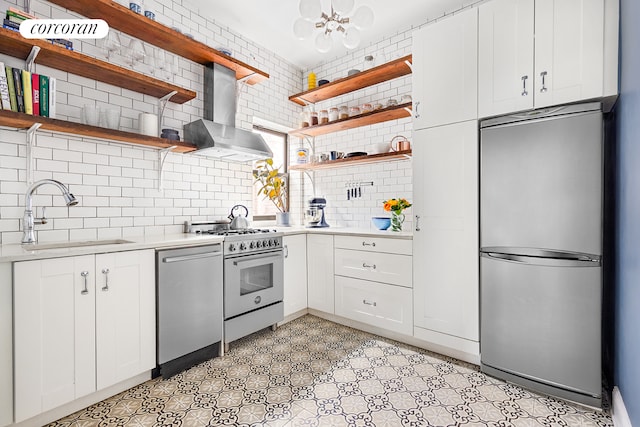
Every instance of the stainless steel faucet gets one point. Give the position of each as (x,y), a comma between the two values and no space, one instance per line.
(28,221)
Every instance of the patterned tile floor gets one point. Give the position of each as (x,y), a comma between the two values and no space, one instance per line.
(312,372)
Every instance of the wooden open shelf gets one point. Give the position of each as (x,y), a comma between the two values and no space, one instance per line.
(373,117)
(13,44)
(136,25)
(351,161)
(382,73)
(24,121)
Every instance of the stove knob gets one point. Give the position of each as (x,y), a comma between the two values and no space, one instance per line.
(252,245)
(276,242)
(266,243)
(232,247)
(243,246)
(259,243)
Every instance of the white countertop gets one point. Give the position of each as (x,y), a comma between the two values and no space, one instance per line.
(345,231)
(18,252)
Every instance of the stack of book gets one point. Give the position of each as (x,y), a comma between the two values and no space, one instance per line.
(25,92)
(15,17)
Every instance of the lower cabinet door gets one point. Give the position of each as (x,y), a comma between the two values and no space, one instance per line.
(377,304)
(295,273)
(54,333)
(378,267)
(125,315)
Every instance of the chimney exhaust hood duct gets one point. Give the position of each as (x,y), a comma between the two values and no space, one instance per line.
(216,135)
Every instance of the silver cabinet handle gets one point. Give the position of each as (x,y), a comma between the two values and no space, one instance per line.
(365,265)
(416,114)
(84,274)
(369,244)
(365,302)
(105,271)
(543,89)
(191,257)
(286,251)
(524,86)
(417,222)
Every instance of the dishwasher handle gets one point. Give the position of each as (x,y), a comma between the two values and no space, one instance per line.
(191,257)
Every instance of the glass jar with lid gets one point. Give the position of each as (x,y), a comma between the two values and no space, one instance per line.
(343,112)
(354,111)
(304,119)
(313,118)
(365,108)
(333,114)
(323,117)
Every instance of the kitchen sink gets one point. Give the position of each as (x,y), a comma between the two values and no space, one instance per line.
(62,245)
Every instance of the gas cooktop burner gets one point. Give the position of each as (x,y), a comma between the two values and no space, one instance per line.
(239,232)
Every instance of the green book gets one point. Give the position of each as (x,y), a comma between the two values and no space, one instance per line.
(12,89)
(44,96)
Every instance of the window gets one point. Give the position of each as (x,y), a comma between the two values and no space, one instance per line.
(278,142)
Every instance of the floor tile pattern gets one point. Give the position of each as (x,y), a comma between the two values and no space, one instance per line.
(312,372)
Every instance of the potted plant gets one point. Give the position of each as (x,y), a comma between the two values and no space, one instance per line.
(273,187)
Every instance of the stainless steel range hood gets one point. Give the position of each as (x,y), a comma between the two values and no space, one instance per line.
(216,134)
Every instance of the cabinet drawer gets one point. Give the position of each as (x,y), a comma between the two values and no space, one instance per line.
(378,267)
(376,304)
(374,244)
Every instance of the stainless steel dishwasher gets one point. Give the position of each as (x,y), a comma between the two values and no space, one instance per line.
(189,307)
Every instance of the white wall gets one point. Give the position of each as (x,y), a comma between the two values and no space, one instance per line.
(117,183)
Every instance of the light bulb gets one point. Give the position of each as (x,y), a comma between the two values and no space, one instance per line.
(324,42)
(362,18)
(342,7)
(302,28)
(351,38)
(310,9)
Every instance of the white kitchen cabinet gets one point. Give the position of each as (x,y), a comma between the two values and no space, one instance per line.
(125,315)
(374,266)
(373,281)
(539,53)
(445,79)
(6,345)
(295,273)
(377,304)
(320,281)
(72,337)
(445,240)
(54,333)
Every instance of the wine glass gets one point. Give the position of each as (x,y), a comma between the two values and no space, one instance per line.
(111,43)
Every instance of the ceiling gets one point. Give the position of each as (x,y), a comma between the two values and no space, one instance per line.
(270,23)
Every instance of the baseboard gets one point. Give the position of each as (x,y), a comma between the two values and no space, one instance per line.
(619,411)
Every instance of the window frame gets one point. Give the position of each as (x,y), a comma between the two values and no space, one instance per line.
(285,138)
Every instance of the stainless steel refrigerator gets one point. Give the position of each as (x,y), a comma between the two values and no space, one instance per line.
(541,222)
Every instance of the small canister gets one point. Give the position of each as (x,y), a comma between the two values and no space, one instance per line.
(354,111)
(343,112)
(323,117)
(333,114)
(304,119)
(313,118)
(365,108)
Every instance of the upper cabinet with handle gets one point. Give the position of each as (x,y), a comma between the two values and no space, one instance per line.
(445,57)
(539,53)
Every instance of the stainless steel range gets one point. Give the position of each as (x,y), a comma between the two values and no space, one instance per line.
(253,278)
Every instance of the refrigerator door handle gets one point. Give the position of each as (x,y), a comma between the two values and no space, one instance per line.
(579,261)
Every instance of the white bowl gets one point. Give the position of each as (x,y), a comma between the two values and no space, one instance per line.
(382,147)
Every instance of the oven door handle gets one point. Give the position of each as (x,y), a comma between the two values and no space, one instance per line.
(190,257)
(256,258)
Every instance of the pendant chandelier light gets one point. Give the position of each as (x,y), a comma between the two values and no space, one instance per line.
(313,18)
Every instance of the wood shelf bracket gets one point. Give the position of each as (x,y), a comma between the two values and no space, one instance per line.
(162,156)
(31,59)
(31,134)
(162,104)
